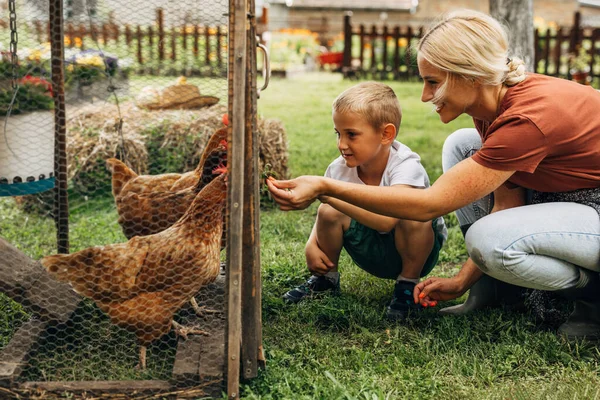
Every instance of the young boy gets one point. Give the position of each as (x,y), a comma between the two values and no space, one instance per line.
(366,119)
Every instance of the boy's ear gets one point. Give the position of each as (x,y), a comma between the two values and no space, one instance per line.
(389,134)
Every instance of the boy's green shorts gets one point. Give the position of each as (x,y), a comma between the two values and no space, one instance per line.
(376,253)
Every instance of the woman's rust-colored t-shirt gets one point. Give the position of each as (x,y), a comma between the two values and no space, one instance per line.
(548,131)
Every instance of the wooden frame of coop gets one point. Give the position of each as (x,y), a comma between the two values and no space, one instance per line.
(240,344)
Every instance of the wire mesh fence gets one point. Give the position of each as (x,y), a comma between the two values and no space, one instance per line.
(145,162)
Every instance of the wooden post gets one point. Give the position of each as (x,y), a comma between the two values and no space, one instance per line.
(81,33)
(557,51)
(70,34)
(237,97)
(139,45)
(104,33)
(547,51)
(407,54)
(150,43)
(184,35)
(218,46)
(116,32)
(127,35)
(251,290)
(575,32)
(361,55)
(207,44)
(396,52)
(536,49)
(160,17)
(173,44)
(385,52)
(347,58)
(196,39)
(373,44)
(61,199)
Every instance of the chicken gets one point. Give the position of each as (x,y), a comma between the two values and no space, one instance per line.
(126,181)
(142,283)
(149,213)
(217,141)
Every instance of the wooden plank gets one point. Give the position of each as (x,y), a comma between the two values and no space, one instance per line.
(125,387)
(25,281)
(251,339)
(201,359)
(17,271)
(238,20)
(14,356)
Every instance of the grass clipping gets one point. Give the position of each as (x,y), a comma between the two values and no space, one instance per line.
(154,142)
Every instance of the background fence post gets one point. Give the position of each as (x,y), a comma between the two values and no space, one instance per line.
(347,59)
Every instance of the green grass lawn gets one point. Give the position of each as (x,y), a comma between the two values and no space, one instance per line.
(343,347)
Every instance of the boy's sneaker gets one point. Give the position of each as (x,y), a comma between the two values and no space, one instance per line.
(314,286)
(402,301)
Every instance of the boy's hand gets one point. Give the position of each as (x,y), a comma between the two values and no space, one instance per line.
(428,292)
(317,262)
(295,194)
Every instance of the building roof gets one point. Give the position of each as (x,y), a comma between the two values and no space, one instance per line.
(378,5)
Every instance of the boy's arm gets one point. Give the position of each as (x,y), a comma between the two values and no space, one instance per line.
(380,223)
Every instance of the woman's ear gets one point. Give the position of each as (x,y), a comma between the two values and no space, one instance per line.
(388,134)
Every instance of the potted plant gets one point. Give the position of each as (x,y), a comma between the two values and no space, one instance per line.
(27,145)
(579,66)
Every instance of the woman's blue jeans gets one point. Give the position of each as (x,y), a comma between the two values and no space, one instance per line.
(544,246)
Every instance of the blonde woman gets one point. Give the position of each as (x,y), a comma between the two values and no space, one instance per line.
(532,134)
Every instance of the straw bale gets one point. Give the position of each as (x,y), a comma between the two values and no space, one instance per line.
(152,142)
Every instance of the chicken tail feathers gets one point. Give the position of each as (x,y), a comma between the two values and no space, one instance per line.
(121,174)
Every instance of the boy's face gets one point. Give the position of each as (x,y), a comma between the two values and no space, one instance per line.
(358,142)
(458,99)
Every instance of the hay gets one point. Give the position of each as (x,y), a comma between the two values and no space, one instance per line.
(151,142)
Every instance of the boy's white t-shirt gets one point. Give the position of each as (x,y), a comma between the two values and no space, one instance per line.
(403,168)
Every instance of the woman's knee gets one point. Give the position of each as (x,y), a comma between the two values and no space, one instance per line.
(484,247)
(460,145)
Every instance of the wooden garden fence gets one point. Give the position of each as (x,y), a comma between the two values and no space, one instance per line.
(154,43)
(384,52)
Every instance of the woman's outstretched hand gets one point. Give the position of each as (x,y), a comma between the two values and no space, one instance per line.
(295,194)
(432,290)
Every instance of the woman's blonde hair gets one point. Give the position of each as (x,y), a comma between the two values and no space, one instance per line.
(374,101)
(470,45)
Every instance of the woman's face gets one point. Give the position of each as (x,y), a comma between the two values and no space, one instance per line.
(460,97)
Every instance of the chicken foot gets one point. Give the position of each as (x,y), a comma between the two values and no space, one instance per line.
(184,331)
(201,311)
(142,363)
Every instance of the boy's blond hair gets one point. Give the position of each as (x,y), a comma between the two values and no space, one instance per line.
(470,45)
(374,101)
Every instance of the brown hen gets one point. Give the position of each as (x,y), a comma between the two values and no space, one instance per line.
(142,283)
(125,181)
(149,213)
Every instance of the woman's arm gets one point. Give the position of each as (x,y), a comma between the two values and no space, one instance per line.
(466,182)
